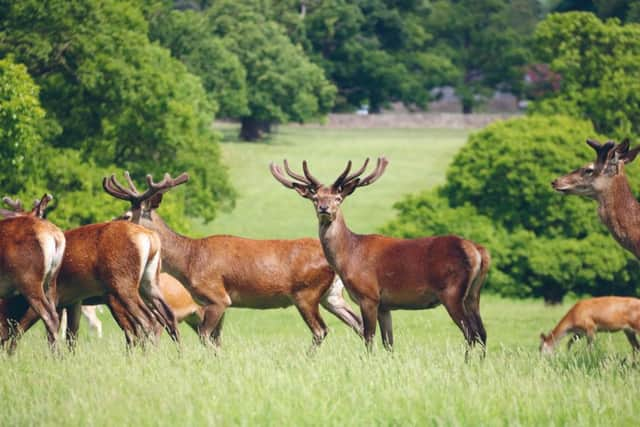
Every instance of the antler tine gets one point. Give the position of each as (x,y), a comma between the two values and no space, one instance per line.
(15,205)
(594,144)
(279,175)
(378,171)
(359,171)
(311,179)
(341,178)
(113,187)
(294,175)
(167,182)
(132,186)
(41,205)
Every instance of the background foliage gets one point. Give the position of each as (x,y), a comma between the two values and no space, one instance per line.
(498,193)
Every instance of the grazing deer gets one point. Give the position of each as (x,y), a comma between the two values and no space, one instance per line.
(604,180)
(31,251)
(220,271)
(586,317)
(384,273)
(114,263)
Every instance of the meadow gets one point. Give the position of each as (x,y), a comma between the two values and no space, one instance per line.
(264,375)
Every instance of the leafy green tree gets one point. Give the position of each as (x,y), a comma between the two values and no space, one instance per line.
(187,35)
(282,84)
(485,40)
(498,194)
(115,96)
(598,64)
(20,133)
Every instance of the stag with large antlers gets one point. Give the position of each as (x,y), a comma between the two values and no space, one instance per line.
(605,181)
(220,271)
(31,251)
(384,273)
(115,263)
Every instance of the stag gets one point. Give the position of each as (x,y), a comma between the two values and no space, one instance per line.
(31,251)
(116,263)
(220,271)
(384,273)
(605,181)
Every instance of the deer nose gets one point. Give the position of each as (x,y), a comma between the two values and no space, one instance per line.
(323,208)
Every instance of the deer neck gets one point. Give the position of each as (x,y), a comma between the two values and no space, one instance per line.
(175,247)
(620,212)
(338,243)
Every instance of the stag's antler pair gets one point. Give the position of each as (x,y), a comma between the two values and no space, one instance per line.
(343,180)
(131,194)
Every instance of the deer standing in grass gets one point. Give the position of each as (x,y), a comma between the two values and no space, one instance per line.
(384,273)
(586,317)
(220,271)
(31,251)
(113,263)
(604,180)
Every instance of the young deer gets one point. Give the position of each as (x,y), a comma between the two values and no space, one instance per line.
(220,271)
(114,263)
(586,317)
(604,180)
(384,273)
(31,251)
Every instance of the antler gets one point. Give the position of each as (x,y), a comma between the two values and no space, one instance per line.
(39,206)
(370,179)
(131,194)
(306,180)
(15,205)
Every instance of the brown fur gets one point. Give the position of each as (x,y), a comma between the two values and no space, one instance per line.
(586,317)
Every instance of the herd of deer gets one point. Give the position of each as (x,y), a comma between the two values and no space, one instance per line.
(44,271)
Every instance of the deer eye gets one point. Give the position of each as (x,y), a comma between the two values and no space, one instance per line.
(588,171)
(338,198)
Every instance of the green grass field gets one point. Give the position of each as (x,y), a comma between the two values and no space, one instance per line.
(264,375)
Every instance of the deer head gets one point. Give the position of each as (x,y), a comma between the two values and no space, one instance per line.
(141,204)
(16,208)
(327,199)
(546,344)
(596,176)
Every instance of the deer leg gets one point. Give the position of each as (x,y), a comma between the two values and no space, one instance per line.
(152,295)
(73,324)
(216,335)
(90,312)
(48,314)
(386,328)
(123,319)
(334,302)
(311,315)
(25,323)
(457,313)
(369,309)
(212,315)
(140,316)
(572,341)
(633,340)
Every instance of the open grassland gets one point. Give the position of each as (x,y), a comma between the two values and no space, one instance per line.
(264,376)
(265,209)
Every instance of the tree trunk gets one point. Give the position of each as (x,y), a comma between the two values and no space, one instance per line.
(467,106)
(251,129)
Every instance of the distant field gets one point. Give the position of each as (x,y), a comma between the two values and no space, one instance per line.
(264,376)
(265,209)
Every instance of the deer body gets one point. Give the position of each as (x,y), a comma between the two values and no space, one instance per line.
(223,271)
(384,273)
(31,251)
(180,300)
(602,314)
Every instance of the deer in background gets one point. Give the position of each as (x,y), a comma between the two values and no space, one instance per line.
(220,271)
(112,263)
(31,251)
(586,317)
(604,180)
(384,273)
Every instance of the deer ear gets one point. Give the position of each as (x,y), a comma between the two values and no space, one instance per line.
(350,187)
(304,190)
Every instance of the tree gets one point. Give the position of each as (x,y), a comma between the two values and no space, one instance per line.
(282,84)
(20,133)
(497,193)
(485,40)
(598,65)
(127,103)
